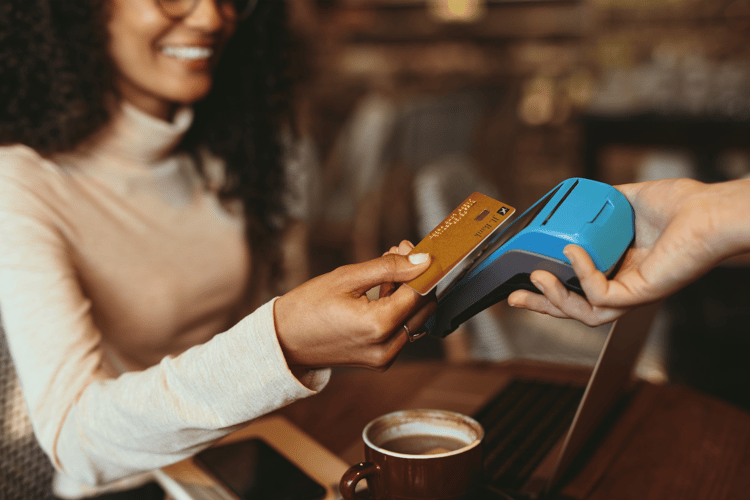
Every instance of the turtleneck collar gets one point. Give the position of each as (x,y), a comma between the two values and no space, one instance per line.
(138,139)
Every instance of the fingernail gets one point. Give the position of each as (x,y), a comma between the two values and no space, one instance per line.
(536,284)
(418,258)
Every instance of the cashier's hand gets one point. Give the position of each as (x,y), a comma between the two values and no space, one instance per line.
(683,228)
(329,321)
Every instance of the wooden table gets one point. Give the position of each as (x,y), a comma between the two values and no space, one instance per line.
(669,442)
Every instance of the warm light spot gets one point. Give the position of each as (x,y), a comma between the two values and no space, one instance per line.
(457,10)
(365,61)
(536,106)
(579,87)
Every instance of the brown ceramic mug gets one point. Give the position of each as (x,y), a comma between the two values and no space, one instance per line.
(418,454)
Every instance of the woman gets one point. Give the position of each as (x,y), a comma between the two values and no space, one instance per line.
(140,207)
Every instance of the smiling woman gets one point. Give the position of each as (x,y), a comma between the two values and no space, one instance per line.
(164,61)
(142,205)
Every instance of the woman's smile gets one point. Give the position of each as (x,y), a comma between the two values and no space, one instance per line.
(196,58)
(188,52)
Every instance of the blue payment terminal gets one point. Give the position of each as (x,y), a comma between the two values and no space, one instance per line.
(588,213)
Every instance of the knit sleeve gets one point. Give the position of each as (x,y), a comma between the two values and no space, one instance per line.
(97,427)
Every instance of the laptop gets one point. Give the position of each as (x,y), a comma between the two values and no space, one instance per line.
(534,429)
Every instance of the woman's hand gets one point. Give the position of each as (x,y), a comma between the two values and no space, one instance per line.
(329,321)
(683,228)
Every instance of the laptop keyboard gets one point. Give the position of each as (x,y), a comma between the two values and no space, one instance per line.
(522,423)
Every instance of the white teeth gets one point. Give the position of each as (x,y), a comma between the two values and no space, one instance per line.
(185,52)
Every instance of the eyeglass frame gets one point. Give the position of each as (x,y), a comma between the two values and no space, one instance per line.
(251,5)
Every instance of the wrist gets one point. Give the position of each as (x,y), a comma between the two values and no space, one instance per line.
(728,209)
(279,317)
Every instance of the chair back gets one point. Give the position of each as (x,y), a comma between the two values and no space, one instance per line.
(25,471)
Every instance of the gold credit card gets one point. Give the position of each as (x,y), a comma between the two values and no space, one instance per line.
(457,241)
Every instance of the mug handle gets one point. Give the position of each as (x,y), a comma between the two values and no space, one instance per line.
(354,475)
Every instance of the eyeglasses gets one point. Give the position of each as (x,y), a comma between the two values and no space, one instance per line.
(180,9)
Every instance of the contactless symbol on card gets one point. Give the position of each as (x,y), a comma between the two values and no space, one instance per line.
(457,241)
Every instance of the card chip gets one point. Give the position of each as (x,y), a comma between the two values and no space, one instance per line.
(482,215)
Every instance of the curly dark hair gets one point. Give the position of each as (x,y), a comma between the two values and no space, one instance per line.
(49,50)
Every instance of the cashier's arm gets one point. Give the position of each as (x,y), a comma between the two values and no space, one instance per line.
(683,228)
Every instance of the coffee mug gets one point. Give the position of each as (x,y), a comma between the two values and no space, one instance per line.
(418,454)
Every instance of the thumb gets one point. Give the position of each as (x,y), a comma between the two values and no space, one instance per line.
(390,268)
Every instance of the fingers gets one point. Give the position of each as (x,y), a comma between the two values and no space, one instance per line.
(593,282)
(402,249)
(400,305)
(387,289)
(576,308)
(524,299)
(420,317)
(386,269)
(388,351)
(600,291)
(570,303)
(405,247)
(404,306)
(560,302)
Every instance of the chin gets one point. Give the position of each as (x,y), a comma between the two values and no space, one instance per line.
(192,95)
(186,87)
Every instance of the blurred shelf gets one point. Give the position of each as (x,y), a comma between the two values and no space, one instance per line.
(408,22)
(422,3)
(705,136)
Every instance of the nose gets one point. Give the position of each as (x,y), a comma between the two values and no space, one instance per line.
(210,15)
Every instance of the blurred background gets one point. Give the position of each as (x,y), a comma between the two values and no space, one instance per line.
(409,106)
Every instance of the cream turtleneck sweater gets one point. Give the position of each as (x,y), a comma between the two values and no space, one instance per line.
(117,257)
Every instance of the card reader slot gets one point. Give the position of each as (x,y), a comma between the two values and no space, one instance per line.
(559,203)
